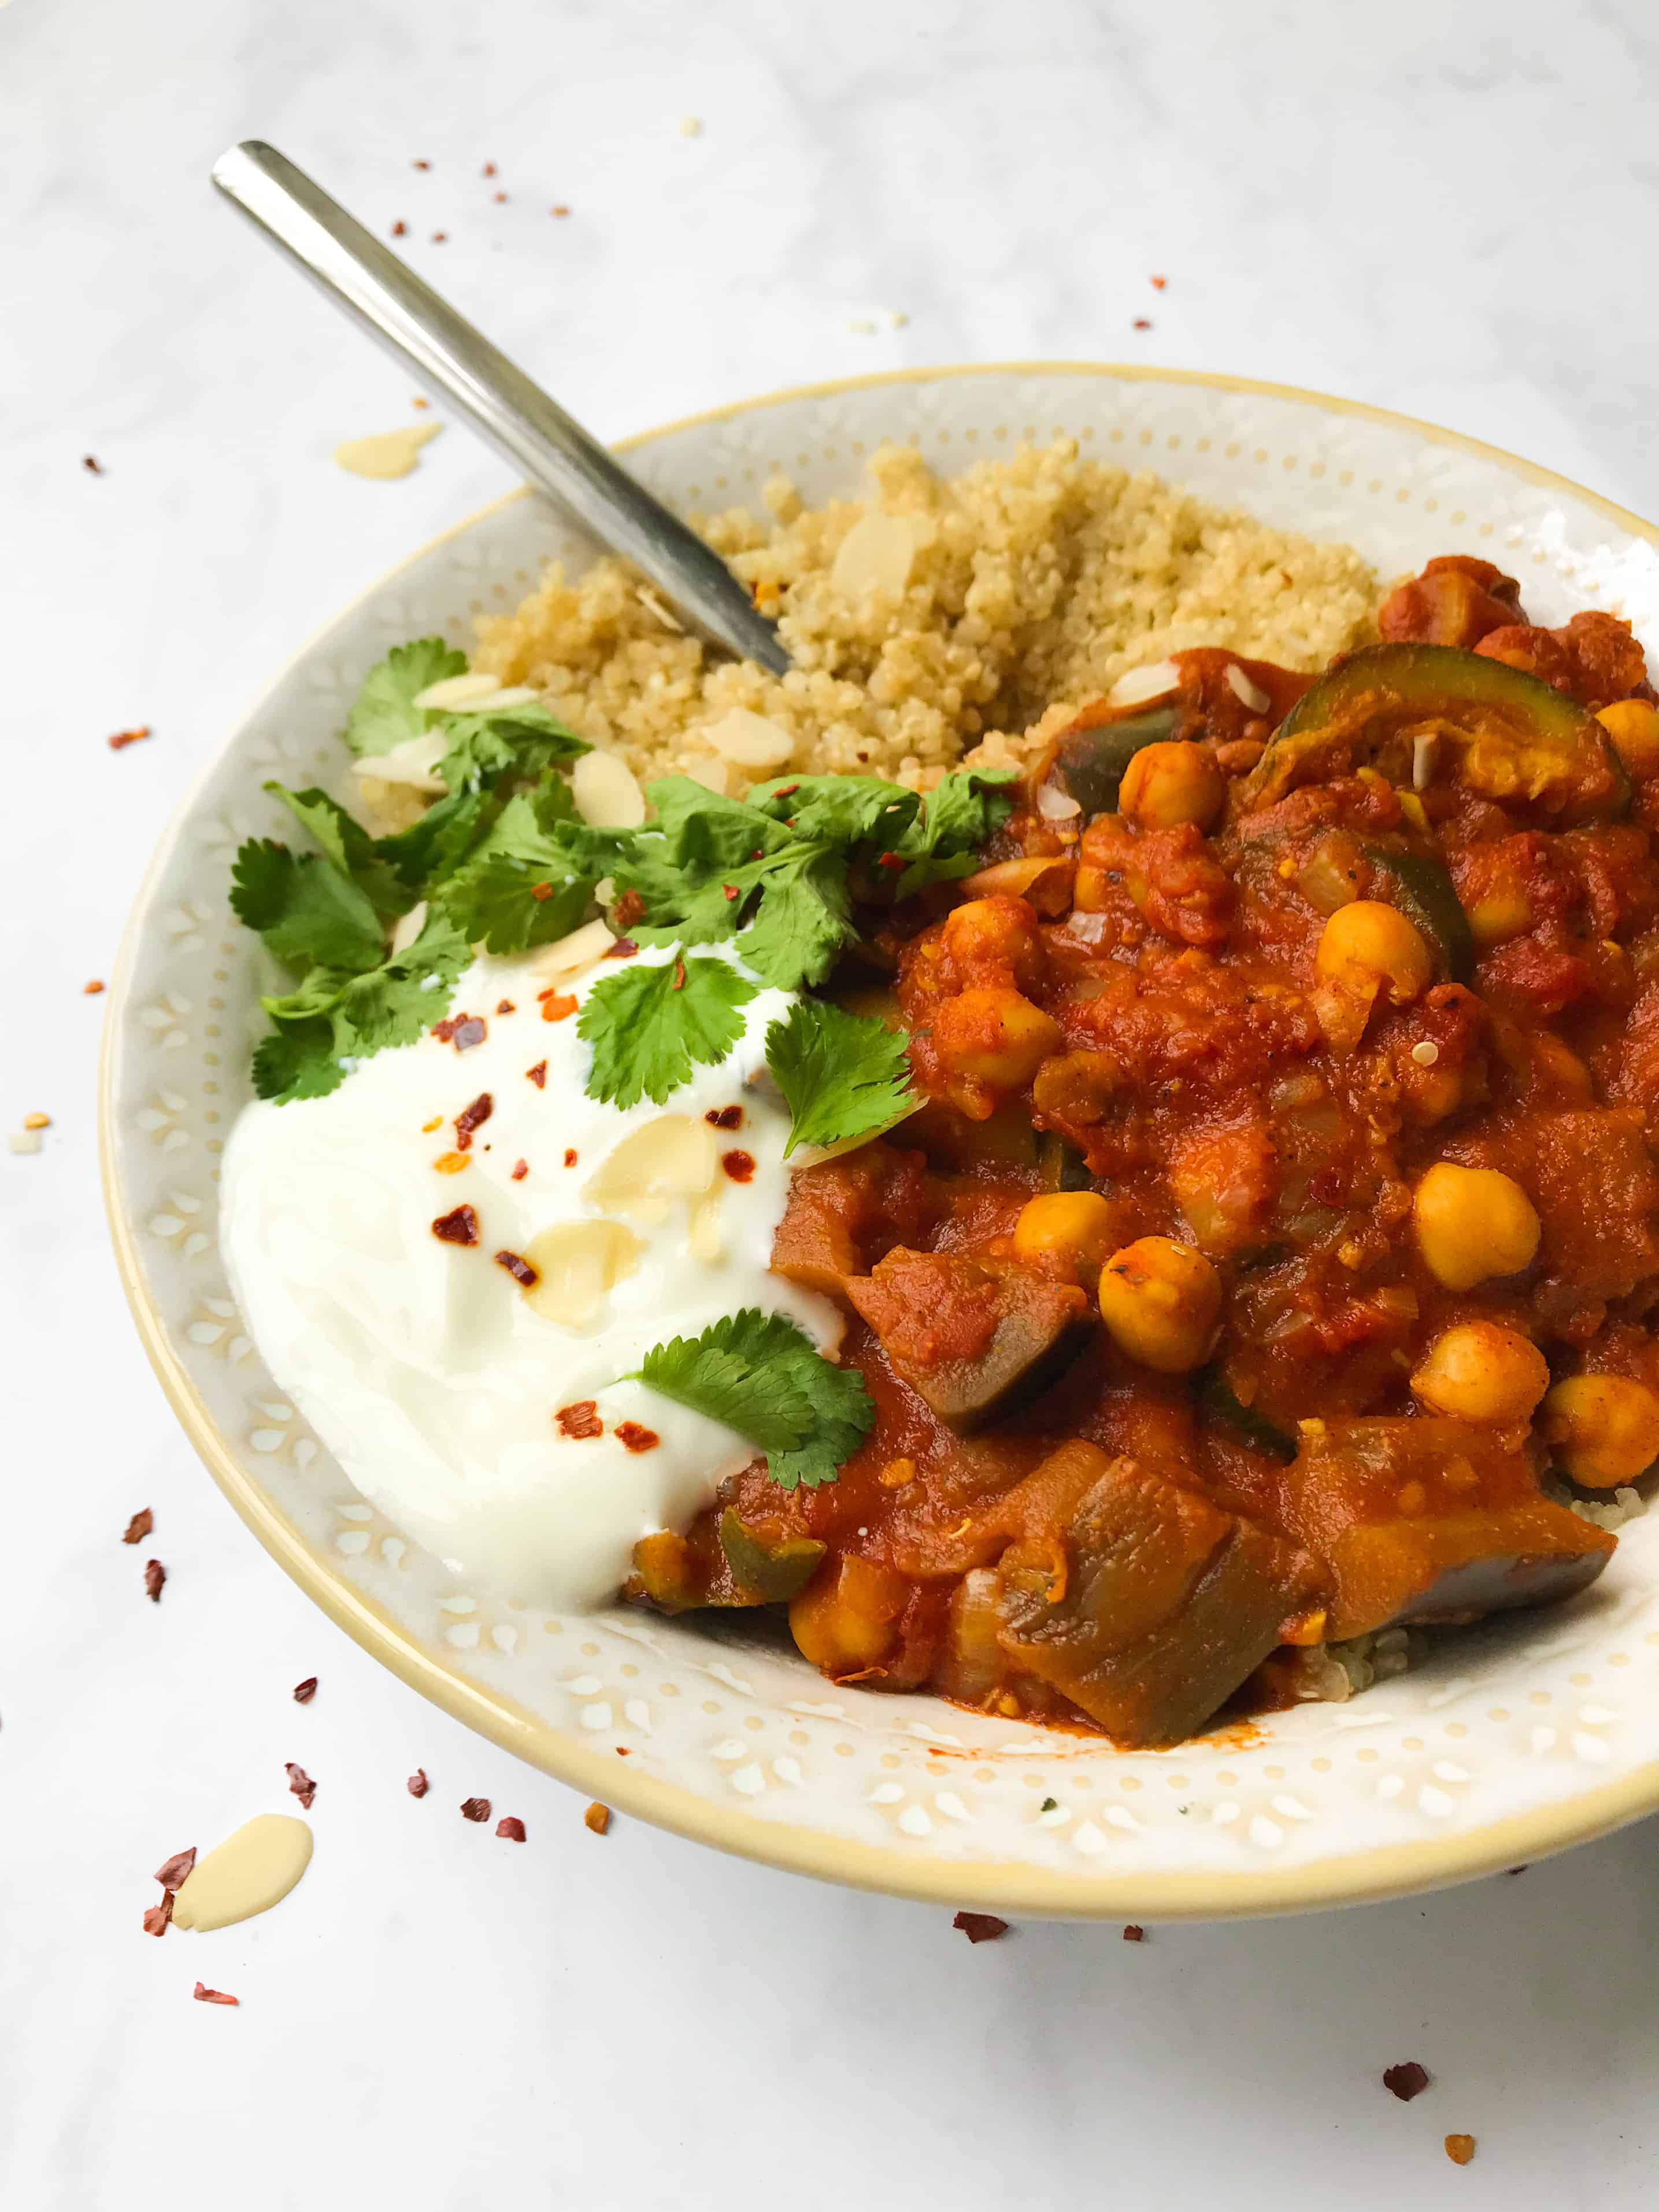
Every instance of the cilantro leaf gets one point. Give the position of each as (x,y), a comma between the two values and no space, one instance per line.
(304,909)
(699,830)
(844,810)
(804,918)
(297,1061)
(841,1075)
(647,1029)
(520,888)
(957,816)
(425,855)
(519,741)
(761,1376)
(333,1015)
(346,842)
(385,714)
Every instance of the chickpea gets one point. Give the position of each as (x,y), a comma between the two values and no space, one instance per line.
(995,1035)
(1366,944)
(1072,1229)
(1160,1302)
(1473,1223)
(1633,727)
(1177,782)
(999,932)
(1481,1371)
(1604,1429)
(848,1620)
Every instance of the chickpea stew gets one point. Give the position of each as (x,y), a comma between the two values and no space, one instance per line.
(1270,1255)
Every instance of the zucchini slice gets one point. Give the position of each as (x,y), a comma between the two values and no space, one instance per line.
(1422,890)
(1088,764)
(1496,730)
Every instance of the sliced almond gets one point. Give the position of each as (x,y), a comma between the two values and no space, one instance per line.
(1136,685)
(606,794)
(711,773)
(1247,693)
(877,555)
(670,1158)
(248,1872)
(413,762)
(570,955)
(410,927)
(577,1263)
(750,740)
(453,692)
(706,1240)
(386,808)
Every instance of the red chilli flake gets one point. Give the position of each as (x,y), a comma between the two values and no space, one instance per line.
(628,909)
(171,1873)
(128,737)
(979,1927)
(679,975)
(306,1691)
(475,1809)
(891,860)
(597,1817)
(1133,1935)
(501,196)
(154,1575)
(541,893)
(92,464)
(205,1996)
(728,890)
(505,1007)
(140,1526)
(739,1165)
(561,210)
(621,948)
(636,1437)
(91,990)
(1142,323)
(511,1827)
(159,1918)
(417,1785)
(520,1169)
(301,1783)
(471,1118)
(1406,2081)
(537,1075)
(488,169)
(420,165)
(473,1030)
(460,1227)
(580,1420)
(558,1007)
(724,1117)
(1158,284)
(400,230)
(520,1269)
(570,1156)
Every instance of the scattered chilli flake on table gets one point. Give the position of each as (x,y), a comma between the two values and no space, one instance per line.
(139,1526)
(1407,2081)
(1133,1934)
(1460,2149)
(301,1783)
(155,1576)
(124,738)
(205,1996)
(171,1873)
(597,1817)
(980,1927)
(91,463)
(510,1826)
(475,1809)
(306,1691)
(158,1918)
(417,1785)
(91,990)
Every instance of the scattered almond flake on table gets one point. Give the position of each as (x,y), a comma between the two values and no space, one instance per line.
(301,1783)
(510,1826)
(1407,2080)
(139,1526)
(690,126)
(23,1140)
(306,1691)
(205,1996)
(980,1927)
(154,1575)
(124,737)
(597,1817)
(1460,2149)
(389,453)
(860,324)
(253,1870)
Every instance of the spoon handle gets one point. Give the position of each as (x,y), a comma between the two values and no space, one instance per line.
(525,426)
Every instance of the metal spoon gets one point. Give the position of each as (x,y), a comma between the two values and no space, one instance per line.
(525,426)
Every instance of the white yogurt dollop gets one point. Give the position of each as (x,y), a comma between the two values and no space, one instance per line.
(423,1365)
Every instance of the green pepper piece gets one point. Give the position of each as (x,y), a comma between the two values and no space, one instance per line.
(1090,763)
(1216,1402)
(1501,733)
(773,1573)
(1422,892)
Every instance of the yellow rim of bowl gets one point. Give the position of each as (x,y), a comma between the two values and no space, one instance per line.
(1351,1878)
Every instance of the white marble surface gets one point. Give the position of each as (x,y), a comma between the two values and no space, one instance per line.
(1443,212)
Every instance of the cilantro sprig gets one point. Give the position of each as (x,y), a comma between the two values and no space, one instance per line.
(650,1025)
(841,1075)
(763,1376)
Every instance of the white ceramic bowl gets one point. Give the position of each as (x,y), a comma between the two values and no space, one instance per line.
(1514,1740)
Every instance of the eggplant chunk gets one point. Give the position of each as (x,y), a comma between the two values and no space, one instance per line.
(1092,754)
(1152,1605)
(1429,1519)
(1496,730)
(972,1340)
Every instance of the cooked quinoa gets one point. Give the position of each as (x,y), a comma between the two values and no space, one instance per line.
(1029,585)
